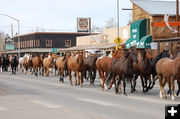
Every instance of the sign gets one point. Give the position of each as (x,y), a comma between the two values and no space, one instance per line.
(118,47)
(9,47)
(118,40)
(154,46)
(83,24)
(54,50)
(163,24)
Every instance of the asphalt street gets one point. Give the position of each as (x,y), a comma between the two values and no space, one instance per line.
(30,97)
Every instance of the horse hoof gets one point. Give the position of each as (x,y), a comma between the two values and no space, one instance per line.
(173,98)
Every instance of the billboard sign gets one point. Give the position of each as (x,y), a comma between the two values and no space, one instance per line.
(83,24)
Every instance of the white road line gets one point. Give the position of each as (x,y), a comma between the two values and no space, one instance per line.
(46,104)
(97,102)
(2,108)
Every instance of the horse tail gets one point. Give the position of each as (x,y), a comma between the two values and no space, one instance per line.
(108,79)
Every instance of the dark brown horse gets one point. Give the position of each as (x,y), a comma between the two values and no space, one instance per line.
(0,63)
(169,69)
(61,64)
(142,69)
(90,67)
(123,68)
(164,54)
(103,65)
(41,68)
(76,64)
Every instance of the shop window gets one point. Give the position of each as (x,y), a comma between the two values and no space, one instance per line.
(67,43)
(48,43)
(37,43)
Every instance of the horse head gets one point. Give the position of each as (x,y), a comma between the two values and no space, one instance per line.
(80,58)
(133,54)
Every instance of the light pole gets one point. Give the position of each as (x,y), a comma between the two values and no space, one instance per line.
(118,18)
(18,31)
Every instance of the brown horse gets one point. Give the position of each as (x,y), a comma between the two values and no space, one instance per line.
(103,65)
(142,69)
(76,64)
(48,63)
(123,68)
(61,64)
(35,63)
(41,68)
(169,69)
(28,63)
(90,66)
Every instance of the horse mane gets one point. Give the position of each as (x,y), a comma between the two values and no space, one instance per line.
(177,54)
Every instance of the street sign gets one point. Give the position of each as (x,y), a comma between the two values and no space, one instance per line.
(118,40)
(9,47)
(54,50)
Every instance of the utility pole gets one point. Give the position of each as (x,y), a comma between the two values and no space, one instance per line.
(177,14)
(118,18)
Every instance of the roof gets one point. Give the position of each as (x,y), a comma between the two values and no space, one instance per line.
(72,33)
(157,8)
(86,47)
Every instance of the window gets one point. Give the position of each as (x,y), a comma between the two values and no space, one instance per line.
(67,43)
(37,43)
(49,43)
(21,44)
(34,44)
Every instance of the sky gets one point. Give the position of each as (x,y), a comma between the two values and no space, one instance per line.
(60,15)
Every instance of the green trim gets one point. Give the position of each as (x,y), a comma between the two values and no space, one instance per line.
(145,42)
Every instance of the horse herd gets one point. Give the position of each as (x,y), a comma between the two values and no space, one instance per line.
(120,66)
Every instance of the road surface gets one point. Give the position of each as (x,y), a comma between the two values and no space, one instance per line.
(30,97)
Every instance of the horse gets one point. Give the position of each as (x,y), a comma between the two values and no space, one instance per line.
(103,65)
(169,69)
(5,62)
(123,68)
(21,63)
(90,66)
(61,64)
(142,69)
(0,63)
(76,64)
(41,69)
(48,63)
(35,64)
(14,64)
(28,63)
(153,62)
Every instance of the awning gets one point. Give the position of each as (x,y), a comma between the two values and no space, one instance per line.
(145,42)
(128,43)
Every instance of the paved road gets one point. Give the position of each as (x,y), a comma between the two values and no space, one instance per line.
(29,97)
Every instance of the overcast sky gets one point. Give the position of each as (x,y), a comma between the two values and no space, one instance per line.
(59,15)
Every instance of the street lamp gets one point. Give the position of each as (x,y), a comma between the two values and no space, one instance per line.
(18,31)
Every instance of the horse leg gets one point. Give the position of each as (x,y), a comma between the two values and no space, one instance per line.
(124,85)
(102,78)
(177,93)
(149,78)
(146,78)
(69,71)
(51,71)
(142,81)
(134,81)
(75,73)
(160,77)
(81,79)
(172,87)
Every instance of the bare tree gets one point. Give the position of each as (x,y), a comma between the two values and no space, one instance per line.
(95,28)
(111,23)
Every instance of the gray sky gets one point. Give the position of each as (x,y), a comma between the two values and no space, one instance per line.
(59,15)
